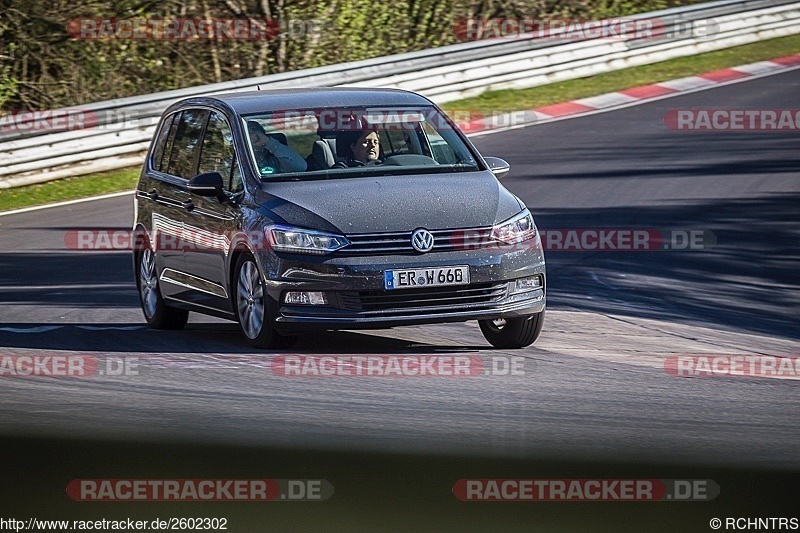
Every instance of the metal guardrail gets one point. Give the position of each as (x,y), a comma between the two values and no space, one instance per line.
(122,128)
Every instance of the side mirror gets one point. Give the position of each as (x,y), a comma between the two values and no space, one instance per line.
(208,184)
(499,167)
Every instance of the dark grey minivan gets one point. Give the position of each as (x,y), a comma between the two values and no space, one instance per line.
(299,210)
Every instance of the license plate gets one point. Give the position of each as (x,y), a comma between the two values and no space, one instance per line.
(417,278)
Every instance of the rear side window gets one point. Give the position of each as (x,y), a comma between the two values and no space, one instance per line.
(217,154)
(160,143)
(186,146)
(170,140)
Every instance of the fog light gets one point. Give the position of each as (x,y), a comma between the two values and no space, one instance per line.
(304,298)
(528,284)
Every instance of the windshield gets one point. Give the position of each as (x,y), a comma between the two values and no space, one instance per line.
(355,141)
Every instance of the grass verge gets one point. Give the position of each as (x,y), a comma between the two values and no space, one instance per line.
(488,103)
(69,189)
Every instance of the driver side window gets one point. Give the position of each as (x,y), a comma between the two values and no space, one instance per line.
(217,153)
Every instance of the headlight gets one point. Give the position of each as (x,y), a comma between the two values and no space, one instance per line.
(514,230)
(304,241)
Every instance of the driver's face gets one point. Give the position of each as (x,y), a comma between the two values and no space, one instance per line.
(367,148)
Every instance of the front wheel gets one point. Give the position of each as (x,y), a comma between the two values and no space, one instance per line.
(156,312)
(512,332)
(252,309)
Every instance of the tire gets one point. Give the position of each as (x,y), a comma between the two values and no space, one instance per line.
(512,333)
(253,310)
(157,314)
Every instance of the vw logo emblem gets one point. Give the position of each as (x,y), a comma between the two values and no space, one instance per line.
(422,240)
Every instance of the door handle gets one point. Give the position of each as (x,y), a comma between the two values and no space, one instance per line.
(153,195)
(188,205)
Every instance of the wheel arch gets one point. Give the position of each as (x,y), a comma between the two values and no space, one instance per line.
(140,238)
(239,246)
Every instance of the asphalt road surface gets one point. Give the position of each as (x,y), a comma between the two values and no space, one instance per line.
(591,399)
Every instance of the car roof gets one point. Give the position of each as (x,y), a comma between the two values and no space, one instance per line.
(253,102)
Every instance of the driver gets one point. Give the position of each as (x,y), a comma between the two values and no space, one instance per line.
(364,147)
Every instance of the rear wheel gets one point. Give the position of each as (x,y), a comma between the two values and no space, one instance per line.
(158,314)
(252,307)
(512,332)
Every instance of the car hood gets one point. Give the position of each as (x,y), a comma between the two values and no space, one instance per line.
(391,203)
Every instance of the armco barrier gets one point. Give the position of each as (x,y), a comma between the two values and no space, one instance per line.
(442,74)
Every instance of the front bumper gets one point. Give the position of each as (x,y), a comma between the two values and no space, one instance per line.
(294,318)
(356,298)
